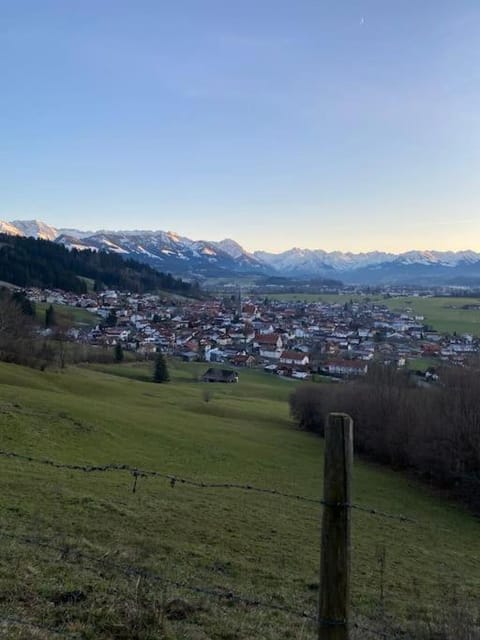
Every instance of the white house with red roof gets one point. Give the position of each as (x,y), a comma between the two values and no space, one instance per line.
(270,345)
(347,368)
(294,358)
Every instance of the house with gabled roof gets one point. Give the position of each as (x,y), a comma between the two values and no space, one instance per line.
(269,345)
(347,368)
(220,375)
(294,358)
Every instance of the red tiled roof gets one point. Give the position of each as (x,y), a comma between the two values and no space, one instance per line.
(267,338)
(293,355)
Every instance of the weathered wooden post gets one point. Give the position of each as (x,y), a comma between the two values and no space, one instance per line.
(334,606)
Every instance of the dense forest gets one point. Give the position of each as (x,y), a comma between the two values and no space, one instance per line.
(28,262)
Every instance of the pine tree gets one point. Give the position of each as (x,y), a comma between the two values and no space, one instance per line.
(50,320)
(160,371)
(111,319)
(118,353)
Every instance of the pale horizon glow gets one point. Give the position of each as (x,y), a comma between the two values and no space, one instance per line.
(348,126)
(328,247)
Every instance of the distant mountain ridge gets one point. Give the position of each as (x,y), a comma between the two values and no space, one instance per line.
(34,262)
(168,251)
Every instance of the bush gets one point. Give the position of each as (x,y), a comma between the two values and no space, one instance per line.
(207,394)
(306,407)
(434,431)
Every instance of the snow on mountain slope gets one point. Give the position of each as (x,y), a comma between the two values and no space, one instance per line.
(74,233)
(445,258)
(232,248)
(35,229)
(171,252)
(301,261)
(9,229)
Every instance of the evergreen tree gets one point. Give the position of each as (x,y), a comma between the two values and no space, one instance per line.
(50,320)
(160,371)
(111,319)
(118,353)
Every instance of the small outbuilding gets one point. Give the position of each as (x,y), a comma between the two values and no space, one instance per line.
(220,375)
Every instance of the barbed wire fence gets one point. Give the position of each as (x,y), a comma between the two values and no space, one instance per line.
(136,473)
(331,621)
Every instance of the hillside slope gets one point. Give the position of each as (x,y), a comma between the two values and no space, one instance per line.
(263,546)
(30,262)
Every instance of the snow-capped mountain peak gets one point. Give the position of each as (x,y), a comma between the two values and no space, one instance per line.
(35,229)
(172,252)
(232,248)
(9,229)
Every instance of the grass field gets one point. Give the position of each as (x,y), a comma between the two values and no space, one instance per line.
(89,283)
(316,297)
(67,316)
(259,545)
(422,364)
(443,314)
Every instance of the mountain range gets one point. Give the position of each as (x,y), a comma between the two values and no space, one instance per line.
(179,255)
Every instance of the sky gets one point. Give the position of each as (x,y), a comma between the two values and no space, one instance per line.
(346,125)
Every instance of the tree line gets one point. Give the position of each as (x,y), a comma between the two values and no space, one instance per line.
(432,430)
(28,262)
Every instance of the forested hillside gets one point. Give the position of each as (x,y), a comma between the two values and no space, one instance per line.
(41,263)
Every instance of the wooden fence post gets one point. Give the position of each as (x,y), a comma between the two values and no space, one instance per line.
(334,606)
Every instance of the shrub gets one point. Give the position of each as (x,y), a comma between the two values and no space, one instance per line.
(435,430)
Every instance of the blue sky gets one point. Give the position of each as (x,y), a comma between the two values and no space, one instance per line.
(313,123)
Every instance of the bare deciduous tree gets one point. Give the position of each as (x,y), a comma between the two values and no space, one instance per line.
(434,430)
(16,332)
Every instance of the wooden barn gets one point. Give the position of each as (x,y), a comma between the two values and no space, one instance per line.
(220,375)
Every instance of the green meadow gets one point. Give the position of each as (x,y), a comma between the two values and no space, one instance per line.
(261,546)
(443,314)
(67,316)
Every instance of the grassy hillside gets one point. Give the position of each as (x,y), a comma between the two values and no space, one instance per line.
(262,546)
(67,316)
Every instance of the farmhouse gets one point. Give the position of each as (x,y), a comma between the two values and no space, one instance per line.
(269,345)
(347,368)
(220,375)
(244,360)
(294,357)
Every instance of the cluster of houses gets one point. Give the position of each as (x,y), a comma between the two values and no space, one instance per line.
(289,339)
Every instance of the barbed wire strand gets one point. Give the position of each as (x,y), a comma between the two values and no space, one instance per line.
(175,479)
(15,621)
(361,627)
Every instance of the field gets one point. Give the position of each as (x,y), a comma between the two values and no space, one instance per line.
(262,546)
(89,283)
(443,314)
(67,316)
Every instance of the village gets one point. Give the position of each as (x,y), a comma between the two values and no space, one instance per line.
(296,340)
